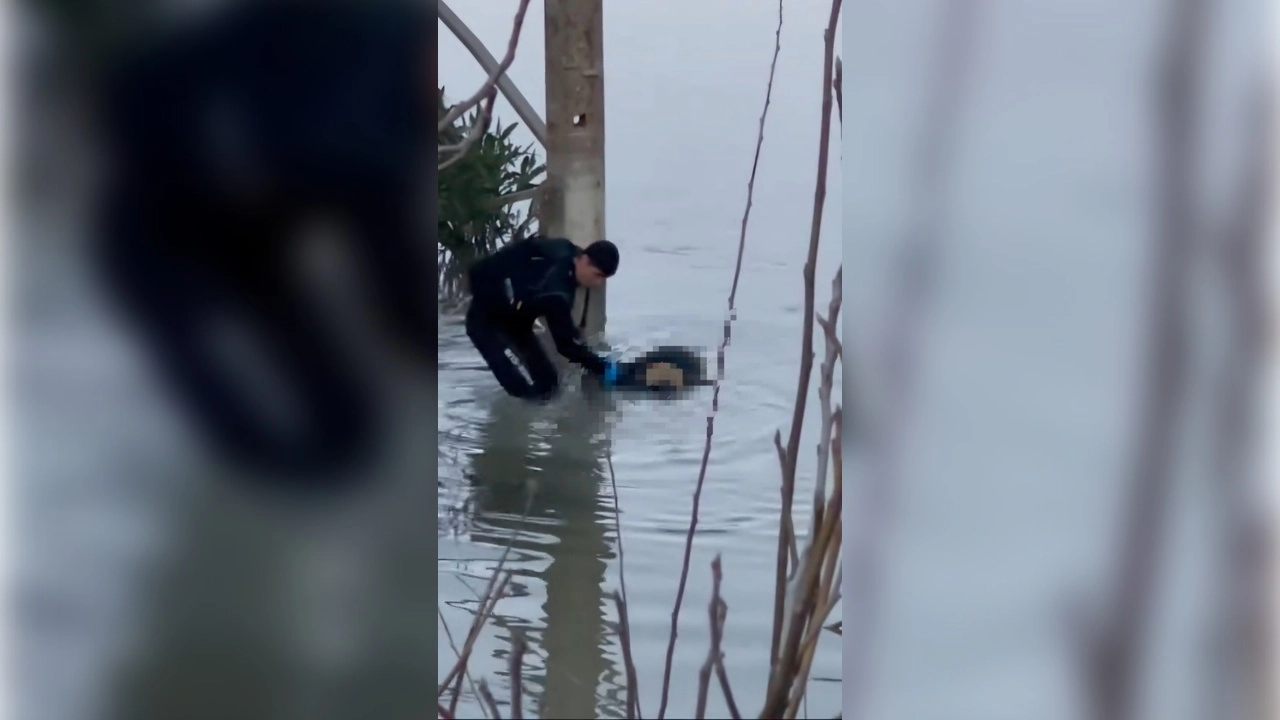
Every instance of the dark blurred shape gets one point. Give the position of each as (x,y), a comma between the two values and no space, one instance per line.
(665,370)
(225,138)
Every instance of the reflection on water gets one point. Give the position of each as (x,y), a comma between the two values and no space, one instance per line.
(564,553)
(262,609)
(539,486)
(179,597)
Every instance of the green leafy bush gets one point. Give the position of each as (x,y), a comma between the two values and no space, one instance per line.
(473,223)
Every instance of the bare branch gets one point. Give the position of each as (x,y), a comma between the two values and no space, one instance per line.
(624,638)
(826,384)
(810,590)
(722,676)
(474,133)
(489,701)
(1112,652)
(524,109)
(486,97)
(806,343)
(1234,667)
(624,622)
(716,615)
(837,84)
(518,646)
(755,161)
(811,597)
(490,86)
(457,654)
(715,393)
(494,591)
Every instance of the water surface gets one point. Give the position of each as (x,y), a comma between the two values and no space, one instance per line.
(681,130)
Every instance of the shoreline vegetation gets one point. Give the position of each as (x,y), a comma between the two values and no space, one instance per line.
(477,197)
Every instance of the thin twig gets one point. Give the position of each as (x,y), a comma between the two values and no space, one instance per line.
(489,701)
(812,577)
(487,94)
(476,131)
(809,601)
(826,597)
(807,653)
(524,109)
(720,364)
(490,86)
(1113,650)
(518,646)
(837,84)
(716,614)
(806,342)
(624,637)
(624,623)
(1233,471)
(493,592)
(496,582)
(726,687)
(755,161)
(497,591)
(837,503)
(826,382)
(786,529)
(457,654)
(502,622)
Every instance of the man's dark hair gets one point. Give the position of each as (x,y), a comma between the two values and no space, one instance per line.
(604,255)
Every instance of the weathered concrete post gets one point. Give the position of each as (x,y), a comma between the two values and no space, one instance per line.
(574,190)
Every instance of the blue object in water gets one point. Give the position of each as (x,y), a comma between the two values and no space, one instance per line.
(664,369)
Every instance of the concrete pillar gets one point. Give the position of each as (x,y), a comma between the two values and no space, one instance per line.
(574,191)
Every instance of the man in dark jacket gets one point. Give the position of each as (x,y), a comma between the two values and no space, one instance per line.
(522,282)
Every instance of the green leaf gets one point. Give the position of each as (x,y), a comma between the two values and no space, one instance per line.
(470,225)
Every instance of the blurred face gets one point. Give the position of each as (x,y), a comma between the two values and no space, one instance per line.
(587,274)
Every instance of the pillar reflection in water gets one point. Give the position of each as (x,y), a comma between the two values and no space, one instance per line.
(284,613)
(561,453)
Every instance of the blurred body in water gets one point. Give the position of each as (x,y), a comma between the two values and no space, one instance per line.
(225,139)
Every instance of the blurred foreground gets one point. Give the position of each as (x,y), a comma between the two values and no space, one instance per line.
(226,361)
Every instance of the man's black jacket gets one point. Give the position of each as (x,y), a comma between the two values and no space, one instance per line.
(530,279)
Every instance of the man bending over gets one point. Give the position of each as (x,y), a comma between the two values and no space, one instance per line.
(522,282)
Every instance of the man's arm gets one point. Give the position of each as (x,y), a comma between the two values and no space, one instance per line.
(559,316)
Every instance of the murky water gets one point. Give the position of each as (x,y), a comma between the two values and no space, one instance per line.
(681,130)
